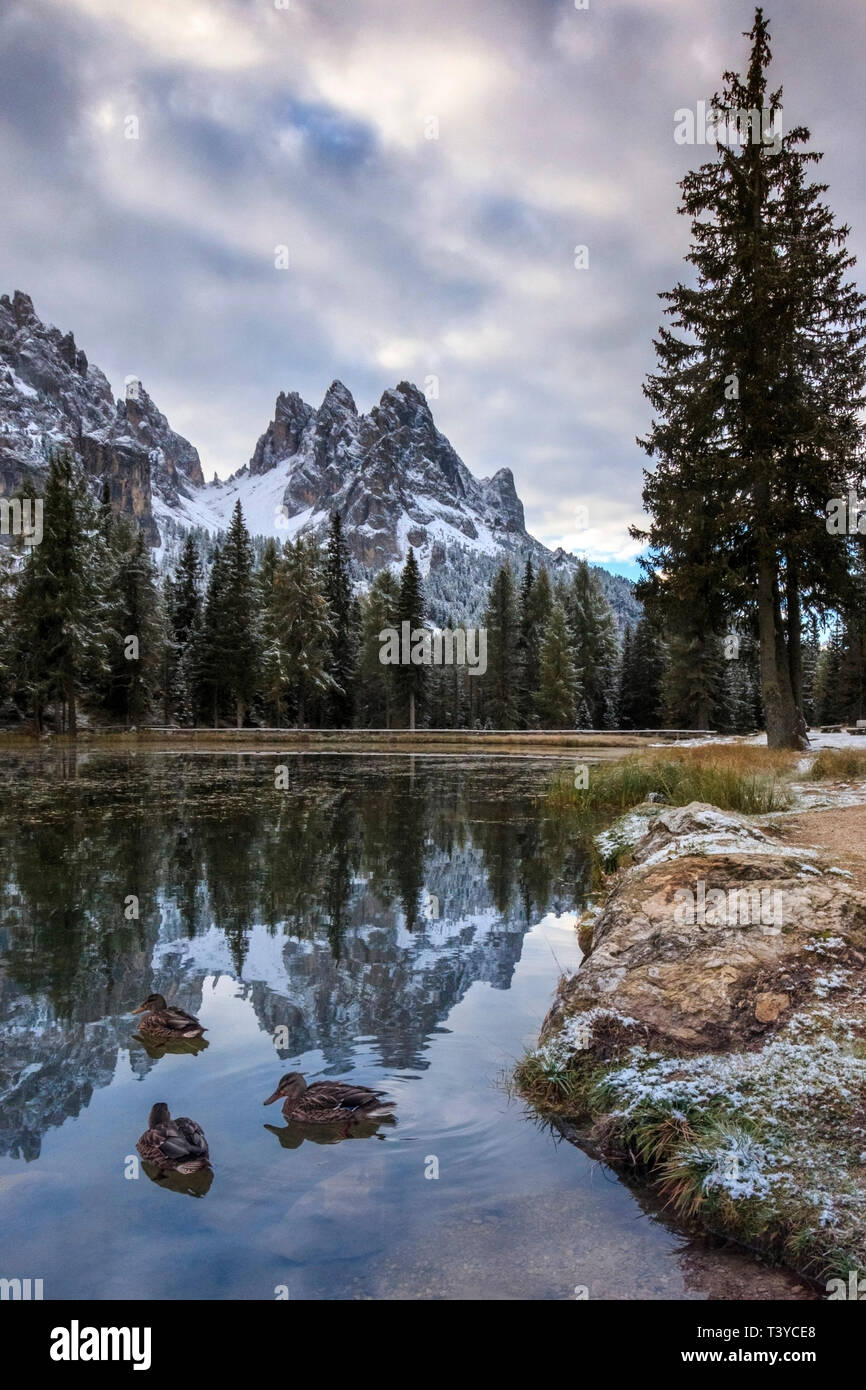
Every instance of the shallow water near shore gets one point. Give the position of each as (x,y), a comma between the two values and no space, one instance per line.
(399,921)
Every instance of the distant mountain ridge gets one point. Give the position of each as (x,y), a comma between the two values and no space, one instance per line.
(395,479)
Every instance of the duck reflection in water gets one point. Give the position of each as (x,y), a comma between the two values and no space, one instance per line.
(292,1135)
(175,1153)
(196,1184)
(328,1111)
(156,1050)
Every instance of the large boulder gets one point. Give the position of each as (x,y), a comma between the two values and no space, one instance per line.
(716,935)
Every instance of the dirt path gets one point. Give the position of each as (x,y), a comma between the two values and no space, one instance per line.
(838,831)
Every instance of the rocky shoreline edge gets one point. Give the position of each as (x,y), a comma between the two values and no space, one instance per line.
(712,1043)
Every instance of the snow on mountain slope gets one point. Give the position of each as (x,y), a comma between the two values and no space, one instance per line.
(393,477)
(52,398)
(395,480)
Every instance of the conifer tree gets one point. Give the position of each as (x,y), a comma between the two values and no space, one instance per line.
(135,635)
(239,642)
(535,605)
(502,677)
(7,664)
(760,381)
(343,655)
(376,686)
(183,608)
(410,678)
(272,673)
(595,650)
(811,655)
(207,670)
(828,707)
(299,631)
(641,672)
(60,602)
(555,697)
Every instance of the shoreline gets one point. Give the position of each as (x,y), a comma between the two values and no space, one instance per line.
(382,741)
(721,1067)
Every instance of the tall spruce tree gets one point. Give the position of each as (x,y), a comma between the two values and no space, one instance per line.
(304,626)
(183,607)
(502,680)
(811,654)
(206,665)
(535,604)
(555,697)
(60,602)
(756,400)
(828,704)
(239,642)
(641,672)
(410,678)
(375,681)
(595,650)
(134,654)
(343,653)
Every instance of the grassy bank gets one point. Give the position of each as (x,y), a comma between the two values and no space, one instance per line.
(839,765)
(752,1146)
(734,777)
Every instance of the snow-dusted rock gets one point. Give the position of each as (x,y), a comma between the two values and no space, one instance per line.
(51,397)
(715,934)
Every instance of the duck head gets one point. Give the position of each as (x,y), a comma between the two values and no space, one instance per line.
(159,1115)
(152,1004)
(292,1086)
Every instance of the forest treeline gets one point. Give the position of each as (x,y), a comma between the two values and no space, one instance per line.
(275,636)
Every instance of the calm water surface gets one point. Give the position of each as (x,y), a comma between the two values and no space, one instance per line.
(400,921)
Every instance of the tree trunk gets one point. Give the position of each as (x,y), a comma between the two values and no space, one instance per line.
(780,713)
(412,710)
(300,711)
(239,714)
(795,633)
(72,713)
(215,710)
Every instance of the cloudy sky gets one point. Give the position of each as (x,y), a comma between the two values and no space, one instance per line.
(430,168)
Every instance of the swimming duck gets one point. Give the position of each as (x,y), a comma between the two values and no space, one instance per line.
(162,1023)
(177,1146)
(327,1102)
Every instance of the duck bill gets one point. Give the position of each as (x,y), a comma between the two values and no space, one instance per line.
(140,1010)
(270,1100)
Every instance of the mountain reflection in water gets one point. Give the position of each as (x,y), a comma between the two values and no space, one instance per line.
(397,922)
(362,903)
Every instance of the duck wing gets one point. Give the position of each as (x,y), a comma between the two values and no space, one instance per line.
(178,1020)
(193,1136)
(177,1140)
(325,1095)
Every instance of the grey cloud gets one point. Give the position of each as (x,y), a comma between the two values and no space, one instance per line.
(408,256)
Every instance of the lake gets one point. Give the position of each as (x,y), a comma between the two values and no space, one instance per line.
(399,921)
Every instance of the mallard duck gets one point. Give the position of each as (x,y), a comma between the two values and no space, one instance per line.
(176,1146)
(162,1023)
(327,1102)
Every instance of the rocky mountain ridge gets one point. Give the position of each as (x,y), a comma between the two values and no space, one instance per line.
(51,398)
(395,479)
